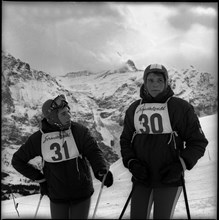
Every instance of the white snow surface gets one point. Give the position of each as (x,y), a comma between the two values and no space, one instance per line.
(201,186)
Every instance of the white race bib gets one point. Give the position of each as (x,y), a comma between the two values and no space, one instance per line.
(152,118)
(56,149)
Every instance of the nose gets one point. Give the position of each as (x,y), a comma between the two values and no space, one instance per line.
(69,115)
(155,84)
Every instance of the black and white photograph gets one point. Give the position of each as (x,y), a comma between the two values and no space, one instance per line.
(109,110)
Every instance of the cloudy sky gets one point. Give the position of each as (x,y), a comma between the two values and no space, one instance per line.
(61,37)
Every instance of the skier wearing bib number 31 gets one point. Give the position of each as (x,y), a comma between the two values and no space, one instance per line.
(161,138)
(65,147)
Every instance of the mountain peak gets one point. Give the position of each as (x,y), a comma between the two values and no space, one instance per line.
(131,64)
(128,66)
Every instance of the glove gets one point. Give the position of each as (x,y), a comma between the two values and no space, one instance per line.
(171,173)
(109,178)
(138,170)
(43,188)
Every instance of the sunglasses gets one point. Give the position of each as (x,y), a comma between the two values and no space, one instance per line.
(59,102)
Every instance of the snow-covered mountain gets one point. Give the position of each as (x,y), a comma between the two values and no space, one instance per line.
(122,68)
(198,88)
(97,100)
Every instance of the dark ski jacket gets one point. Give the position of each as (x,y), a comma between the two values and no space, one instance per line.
(154,150)
(69,180)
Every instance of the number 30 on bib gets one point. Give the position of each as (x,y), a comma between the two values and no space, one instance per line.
(152,118)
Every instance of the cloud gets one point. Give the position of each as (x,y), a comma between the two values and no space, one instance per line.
(51,12)
(191,13)
(60,37)
(77,35)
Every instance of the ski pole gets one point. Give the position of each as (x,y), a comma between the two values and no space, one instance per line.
(15,204)
(41,196)
(185,197)
(127,202)
(98,199)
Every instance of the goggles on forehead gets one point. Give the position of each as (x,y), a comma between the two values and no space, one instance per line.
(59,102)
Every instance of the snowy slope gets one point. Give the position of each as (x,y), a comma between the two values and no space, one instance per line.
(200,183)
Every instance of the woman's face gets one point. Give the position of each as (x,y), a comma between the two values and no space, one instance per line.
(64,116)
(155,83)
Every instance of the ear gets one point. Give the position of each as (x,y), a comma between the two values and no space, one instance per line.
(145,89)
(53,118)
(50,121)
(167,83)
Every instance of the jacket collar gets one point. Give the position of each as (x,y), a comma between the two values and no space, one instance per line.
(46,127)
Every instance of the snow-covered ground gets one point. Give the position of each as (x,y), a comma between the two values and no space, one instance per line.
(201,185)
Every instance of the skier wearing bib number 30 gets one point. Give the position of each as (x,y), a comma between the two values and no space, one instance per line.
(161,138)
(65,147)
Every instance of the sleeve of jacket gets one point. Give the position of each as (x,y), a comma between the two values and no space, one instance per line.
(195,140)
(93,152)
(21,158)
(127,151)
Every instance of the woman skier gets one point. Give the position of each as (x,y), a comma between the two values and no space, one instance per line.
(152,145)
(66,148)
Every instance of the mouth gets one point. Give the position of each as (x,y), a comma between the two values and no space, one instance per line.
(155,92)
(68,122)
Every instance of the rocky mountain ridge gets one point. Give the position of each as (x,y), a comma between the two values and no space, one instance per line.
(124,67)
